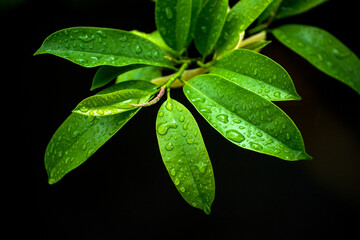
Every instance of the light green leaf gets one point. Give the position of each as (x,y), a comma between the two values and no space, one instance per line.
(145,73)
(184,154)
(293,7)
(245,118)
(257,73)
(106,74)
(77,139)
(238,20)
(91,47)
(323,51)
(209,24)
(112,103)
(173,19)
(256,46)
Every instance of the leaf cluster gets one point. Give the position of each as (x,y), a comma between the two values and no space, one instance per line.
(229,83)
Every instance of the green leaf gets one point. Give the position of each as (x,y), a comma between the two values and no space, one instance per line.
(209,24)
(323,51)
(196,6)
(238,20)
(173,18)
(256,46)
(91,47)
(293,7)
(145,73)
(184,154)
(77,139)
(245,118)
(156,38)
(112,103)
(257,73)
(106,74)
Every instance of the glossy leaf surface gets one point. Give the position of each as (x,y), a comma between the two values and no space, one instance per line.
(106,74)
(173,18)
(323,51)
(293,7)
(184,154)
(245,118)
(238,20)
(77,139)
(112,103)
(209,25)
(257,73)
(91,47)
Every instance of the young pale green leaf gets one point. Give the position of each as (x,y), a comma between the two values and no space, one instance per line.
(145,73)
(173,18)
(106,74)
(91,47)
(245,118)
(184,154)
(257,73)
(112,103)
(323,51)
(238,20)
(293,7)
(209,24)
(77,139)
(256,46)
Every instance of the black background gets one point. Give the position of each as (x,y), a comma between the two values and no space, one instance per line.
(124,192)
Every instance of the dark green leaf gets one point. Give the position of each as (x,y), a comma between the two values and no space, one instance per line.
(106,74)
(257,73)
(184,154)
(91,47)
(173,18)
(238,20)
(322,50)
(293,7)
(196,6)
(77,139)
(209,25)
(245,118)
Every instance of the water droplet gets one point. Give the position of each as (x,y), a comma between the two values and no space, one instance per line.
(84,109)
(102,34)
(169,14)
(173,172)
(320,57)
(223,118)
(203,29)
(163,128)
(287,136)
(255,146)
(277,94)
(156,54)
(138,49)
(177,181)
(201,167)
(255,71)
(100,112)
(86,38)
(235,136)
(182,189)
(161,114)
(169,146)
(190,141)
(200,99)
(168,106)
(123,38)
(182,118)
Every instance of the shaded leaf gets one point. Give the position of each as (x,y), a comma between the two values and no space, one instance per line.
(323,51)
(209,25)
(245,118)
(294,7)
(91,47)
(173,18)
(145,73)
(257,73)
(184,154)
(238,20)
(106,74)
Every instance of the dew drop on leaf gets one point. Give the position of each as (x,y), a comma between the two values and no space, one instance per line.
(173,172)
(256,146)
(138,49)
(223,118)
(169,146)
(163,128)
(169,14)
(123,38)
(235,136)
